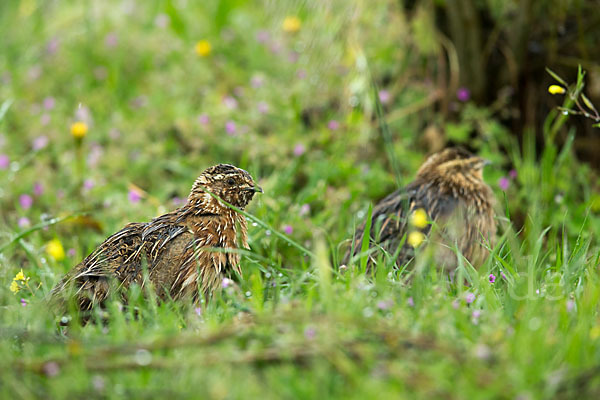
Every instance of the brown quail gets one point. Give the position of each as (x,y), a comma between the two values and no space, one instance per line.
(176,249)
(448,193)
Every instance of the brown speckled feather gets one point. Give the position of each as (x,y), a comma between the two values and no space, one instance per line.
(178,253)
(449,187)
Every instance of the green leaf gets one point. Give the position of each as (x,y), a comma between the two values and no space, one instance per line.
(366,239)
(177,23)
(580,76)
(587,102)
(458,132)
(4,108)
(555,76)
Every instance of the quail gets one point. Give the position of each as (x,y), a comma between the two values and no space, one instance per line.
(178,253)
(448,193)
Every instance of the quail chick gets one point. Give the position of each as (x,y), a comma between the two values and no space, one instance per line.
(448,192)
(176,249)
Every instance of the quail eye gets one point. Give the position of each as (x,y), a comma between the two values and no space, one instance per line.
(230,181)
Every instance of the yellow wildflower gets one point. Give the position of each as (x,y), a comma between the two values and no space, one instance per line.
(291,24)
(418,219)
(415,238)
(79,130)
(203,48)
(20,276)
(555,89)
(74,347)
(595,332)
(55,249)
(14,287)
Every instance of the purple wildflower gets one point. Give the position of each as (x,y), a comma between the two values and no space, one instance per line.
(230,102)
(410,302)
(299,149)
(49,103)
(262,36)
(203,119)
(111,40)
(94,155)
(570,305)
(98,383)
(88,184)
(139,102)
(262,107)
(83,114)
(463,94)
(24,222)
(4,161)
(384,304)
(275,48)
(503,183)
(257,81)
(51,369)
(288,229)
(134,196)
(52,46)
(482,352)
(45,119)
(71,252)
(24,302)
(512,173)
(5,78)
(239,91)
(310,333)
(476,314)
(502,275)
(492,278)
(198,311)
(178,201)
(301,74)
(38,189)
(230,127)
(304,209)
(26,201)
(470,297)
(333,125)
(226,282)
(39,142)
(384,96)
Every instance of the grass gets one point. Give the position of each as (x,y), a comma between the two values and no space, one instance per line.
(303,118)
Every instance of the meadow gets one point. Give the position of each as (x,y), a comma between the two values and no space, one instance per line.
(110,110)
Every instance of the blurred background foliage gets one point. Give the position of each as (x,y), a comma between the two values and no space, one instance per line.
(329,104)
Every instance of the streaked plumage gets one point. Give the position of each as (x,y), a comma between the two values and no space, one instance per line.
(449,187)
(175,248)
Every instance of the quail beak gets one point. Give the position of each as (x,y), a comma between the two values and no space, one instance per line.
(482,162)
(255,189)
